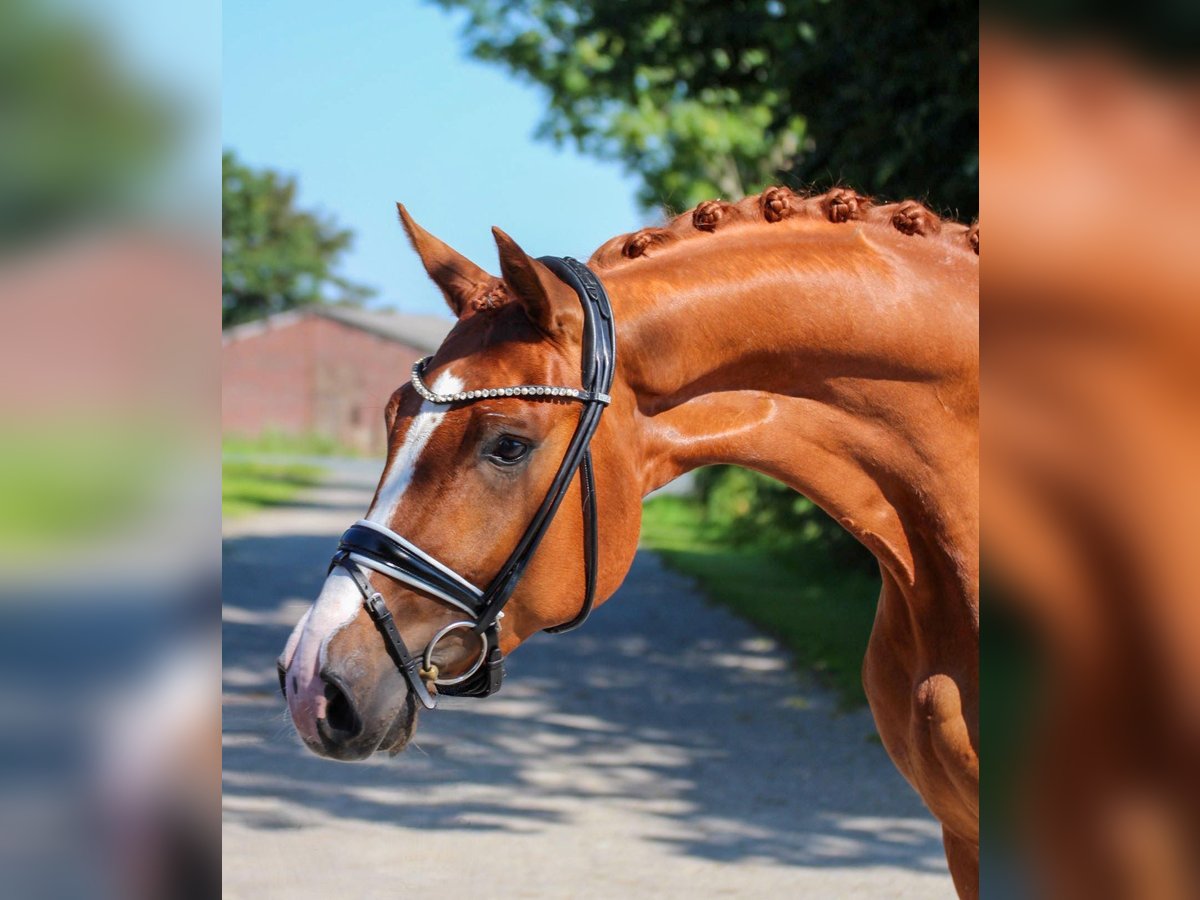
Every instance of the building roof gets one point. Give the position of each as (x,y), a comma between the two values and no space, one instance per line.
(417,331)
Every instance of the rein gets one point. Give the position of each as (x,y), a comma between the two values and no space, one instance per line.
(371,546)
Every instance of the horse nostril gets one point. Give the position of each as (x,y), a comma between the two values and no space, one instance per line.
(282,679)
(341,721)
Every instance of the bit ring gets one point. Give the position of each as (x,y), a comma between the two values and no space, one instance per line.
(432,645)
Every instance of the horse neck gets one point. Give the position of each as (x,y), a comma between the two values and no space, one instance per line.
(840,362)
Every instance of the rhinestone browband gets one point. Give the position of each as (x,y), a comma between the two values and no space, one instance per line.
(524,390)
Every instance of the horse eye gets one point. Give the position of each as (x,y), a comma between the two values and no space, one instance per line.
(508,450)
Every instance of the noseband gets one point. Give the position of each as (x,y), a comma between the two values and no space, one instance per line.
(367,545)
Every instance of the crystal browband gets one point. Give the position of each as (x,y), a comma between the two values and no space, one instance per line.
(524,390)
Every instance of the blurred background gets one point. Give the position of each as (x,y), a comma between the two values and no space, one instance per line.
(109,465)
(1089,332)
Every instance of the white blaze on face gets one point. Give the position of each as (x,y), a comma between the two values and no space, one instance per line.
(340,601)
(400,475)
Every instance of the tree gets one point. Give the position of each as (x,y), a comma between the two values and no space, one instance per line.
(720,98)
(274,256)
(81,136)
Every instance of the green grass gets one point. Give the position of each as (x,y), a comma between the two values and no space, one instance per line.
(76,482)
(821,612)
(248,486)
(281,444)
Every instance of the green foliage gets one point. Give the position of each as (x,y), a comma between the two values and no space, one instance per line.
(818,609)
(80,135)
(274,256)
(752,510)
(721,98)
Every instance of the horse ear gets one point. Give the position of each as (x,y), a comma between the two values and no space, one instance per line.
(456,275)
(550,304)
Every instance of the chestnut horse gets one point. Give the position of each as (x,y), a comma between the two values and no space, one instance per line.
(826,341)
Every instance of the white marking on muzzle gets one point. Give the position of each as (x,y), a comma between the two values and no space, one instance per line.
(404,463)
(335,607)
(289,650)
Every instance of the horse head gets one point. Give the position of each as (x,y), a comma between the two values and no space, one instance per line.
(469,467)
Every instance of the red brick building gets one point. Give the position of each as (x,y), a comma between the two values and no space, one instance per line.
(321,370)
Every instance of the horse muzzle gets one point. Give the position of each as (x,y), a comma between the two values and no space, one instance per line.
(352,708)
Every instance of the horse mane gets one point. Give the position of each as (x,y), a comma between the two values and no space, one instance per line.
(776,204)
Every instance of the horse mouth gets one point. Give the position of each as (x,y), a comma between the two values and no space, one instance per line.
(346,733)
(402,729)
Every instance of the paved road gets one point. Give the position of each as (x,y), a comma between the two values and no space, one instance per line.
(665,751)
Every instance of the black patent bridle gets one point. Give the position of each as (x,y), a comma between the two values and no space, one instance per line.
(372,546)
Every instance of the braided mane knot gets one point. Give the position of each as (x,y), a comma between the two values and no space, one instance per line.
(641,241)
(706,216)
(776,203)
(913,218)
(843,204)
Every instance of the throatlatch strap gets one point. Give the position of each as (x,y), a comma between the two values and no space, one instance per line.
(597,371)
(590,547)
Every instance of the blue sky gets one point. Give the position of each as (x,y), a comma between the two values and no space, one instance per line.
(369,102)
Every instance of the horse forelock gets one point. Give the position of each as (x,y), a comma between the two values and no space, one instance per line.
(489,297)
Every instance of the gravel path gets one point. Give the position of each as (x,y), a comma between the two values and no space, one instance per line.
(666,750)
